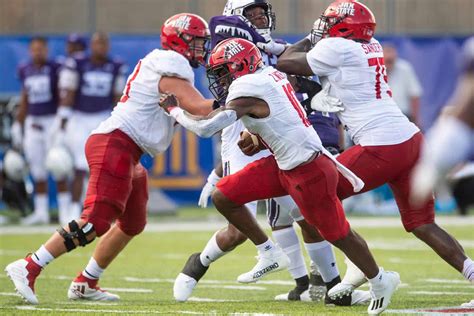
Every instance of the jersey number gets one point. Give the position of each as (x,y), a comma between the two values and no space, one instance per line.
(380,71)
(125,95)
(290,93)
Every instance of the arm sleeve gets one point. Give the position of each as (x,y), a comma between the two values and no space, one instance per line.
(204,127)
(325,58)
(68,76)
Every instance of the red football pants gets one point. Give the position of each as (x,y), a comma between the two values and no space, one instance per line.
(117,188)
(312,186)
(392,164)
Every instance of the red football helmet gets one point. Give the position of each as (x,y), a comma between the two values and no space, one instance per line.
(349,19)
(182,33)
(229,60)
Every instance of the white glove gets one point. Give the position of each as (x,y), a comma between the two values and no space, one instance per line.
(323,102)
(271,47)
(317,31)
(17,135)
(208,188)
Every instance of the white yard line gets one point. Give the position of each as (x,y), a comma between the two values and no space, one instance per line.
(440,293)
(128,290)
(205,299)
(235,287)
(111,311)
(453,281)
(9,294)
(356,222)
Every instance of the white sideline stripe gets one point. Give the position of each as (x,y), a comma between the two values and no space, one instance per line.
(433,311)
(206,299)
(440,293)
(235,287)
(9,294)
(356,222)
(129,290)
(159,280)
(112,311)
(433,280)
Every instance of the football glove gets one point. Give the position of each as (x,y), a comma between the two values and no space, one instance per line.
(208,188)
(271,47)
(323,102)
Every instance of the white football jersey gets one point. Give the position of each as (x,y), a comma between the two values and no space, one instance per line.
(138,113)
(358,78)
(286,131)
(230,136)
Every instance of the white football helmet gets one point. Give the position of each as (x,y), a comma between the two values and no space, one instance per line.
(15,165)
(59,163)
(238,7)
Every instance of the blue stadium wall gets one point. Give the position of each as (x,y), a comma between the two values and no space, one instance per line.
(182,170)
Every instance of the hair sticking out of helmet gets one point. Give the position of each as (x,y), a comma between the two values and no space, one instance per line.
(243,9)
(187,34)
(348,19)
(229,60)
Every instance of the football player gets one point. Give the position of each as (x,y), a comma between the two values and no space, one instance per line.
(346,52)
(254,20)
(264,100)
(90,86)
(117,190)
(32,126)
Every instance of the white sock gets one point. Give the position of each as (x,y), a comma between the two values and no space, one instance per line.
(211,252)
(468,270)
(92,270)
(290,244)
(377,280)
(75,210)
(64,203)
(265,247)
(41,204)
(42,256)
(322,254)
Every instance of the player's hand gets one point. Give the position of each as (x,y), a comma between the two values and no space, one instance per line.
(271,47)
(17,135)
(323,102)
(168,101)
(317,32)
(208,188)
(249,143)
(423,180)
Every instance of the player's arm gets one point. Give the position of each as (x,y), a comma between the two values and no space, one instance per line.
(68,85)
(190,99)
(293,60)
(22,107)
(206,126)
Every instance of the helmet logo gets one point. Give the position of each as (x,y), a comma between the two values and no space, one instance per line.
(232,49)
(346,8)
(181,22)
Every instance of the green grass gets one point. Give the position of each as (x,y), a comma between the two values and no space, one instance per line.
(162,255)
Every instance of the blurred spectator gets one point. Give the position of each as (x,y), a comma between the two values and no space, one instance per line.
(90,85)
(404,83)
(32,126)
(76,44)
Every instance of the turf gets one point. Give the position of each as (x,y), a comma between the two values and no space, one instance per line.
(152,260)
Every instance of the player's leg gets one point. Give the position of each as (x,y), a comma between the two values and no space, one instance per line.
(35,153)
(420,220)
(315,194)
(111,159)
(128,225)
(257,181)
(283,232)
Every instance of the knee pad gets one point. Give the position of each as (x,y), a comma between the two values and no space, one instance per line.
(132,229)
(76,234)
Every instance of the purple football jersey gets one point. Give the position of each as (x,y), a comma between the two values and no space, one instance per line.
(96,83)
(41,86)
(326,125)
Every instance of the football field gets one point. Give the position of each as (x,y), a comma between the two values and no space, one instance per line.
(143,274)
